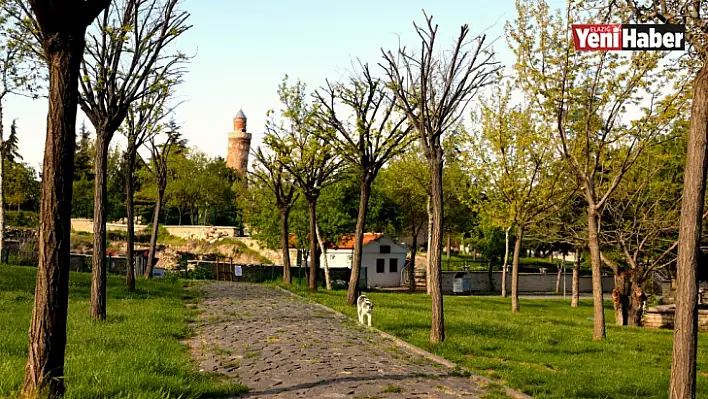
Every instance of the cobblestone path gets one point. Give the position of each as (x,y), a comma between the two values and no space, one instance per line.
(283,346)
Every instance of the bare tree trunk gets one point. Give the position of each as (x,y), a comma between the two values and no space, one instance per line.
(635,308)
(683,366)
(285,244)
(328,282)
(97,307)
(620,299)
(437,329)
(558,277)
(506,260)
(359,239)
(430,240)
(515,269)
(44,371)
(411,266)
(130,213)
(2,190)
(314,259)
(155,232)
(575,295)
(597,299)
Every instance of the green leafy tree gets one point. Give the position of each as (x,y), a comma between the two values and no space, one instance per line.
(514,160)
(144,120)
(306,155)
(82,205)
(158,168)
(585,96)
(16,77)
(398,181)
(270,173)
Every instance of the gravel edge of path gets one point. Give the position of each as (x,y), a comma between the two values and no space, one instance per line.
(418,351)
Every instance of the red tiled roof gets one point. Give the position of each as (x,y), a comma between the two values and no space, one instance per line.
(347,241)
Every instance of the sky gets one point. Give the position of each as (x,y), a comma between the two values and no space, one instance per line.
(244,49)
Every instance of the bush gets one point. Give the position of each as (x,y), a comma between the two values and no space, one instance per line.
(116,235)
(200,273)
(22,218)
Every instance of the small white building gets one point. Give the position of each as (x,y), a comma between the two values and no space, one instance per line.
(382,260)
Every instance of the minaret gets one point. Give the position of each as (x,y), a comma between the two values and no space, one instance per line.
(239,145)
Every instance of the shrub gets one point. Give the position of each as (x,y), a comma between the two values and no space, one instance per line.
(22,218)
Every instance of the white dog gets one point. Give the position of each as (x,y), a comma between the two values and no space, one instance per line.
(364,307)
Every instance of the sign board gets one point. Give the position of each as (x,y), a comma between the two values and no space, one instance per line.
(238,272)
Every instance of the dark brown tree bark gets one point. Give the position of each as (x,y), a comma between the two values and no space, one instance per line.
(683,366)
(130,155)
(414,251)
(437,331)
(97,307)
(285,243)
(314,256)
(359,239)
(515,269)
(575,296)
(61,28)
(155,230)
(595,261)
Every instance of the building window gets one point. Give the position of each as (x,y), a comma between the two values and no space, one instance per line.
(380,265)
(393,265)
(385,249)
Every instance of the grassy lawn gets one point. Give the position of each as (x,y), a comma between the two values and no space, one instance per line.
(545,351)
(136,353)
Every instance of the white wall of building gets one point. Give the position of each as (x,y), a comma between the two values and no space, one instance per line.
(372,261)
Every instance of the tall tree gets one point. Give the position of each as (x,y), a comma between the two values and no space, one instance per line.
(585,96)
(270,172)
(640,226)
(399,181)
(692,13)
(60,26)
(306,155)
(126,50)
(432,92)
(144,120)
(158,167)
(513,157)
(374,134)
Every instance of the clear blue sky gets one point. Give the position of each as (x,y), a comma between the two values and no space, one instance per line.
(244,48)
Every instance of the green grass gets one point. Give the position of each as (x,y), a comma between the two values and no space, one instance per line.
(136,353)
(545,351)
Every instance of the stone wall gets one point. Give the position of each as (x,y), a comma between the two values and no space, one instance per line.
(663,317)
(528,282)
(196,232)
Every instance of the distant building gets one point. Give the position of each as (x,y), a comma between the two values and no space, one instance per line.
(382,260)
(239,146)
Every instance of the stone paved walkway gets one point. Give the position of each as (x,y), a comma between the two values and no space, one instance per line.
(282,346)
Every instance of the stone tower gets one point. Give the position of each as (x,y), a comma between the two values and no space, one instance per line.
(239,145)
